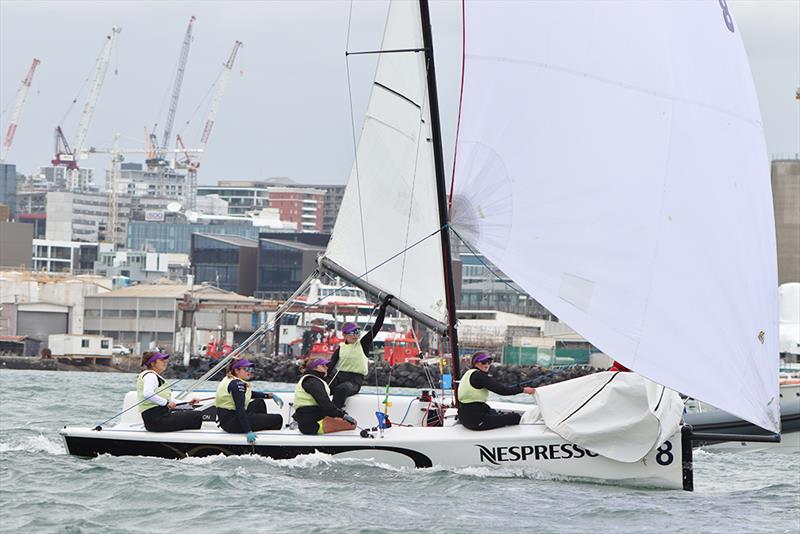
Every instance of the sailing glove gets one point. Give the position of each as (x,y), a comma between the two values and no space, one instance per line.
(251,437)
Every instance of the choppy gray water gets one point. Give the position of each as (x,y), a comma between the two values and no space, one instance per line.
(42,489)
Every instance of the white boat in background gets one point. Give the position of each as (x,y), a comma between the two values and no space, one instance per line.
(610,159)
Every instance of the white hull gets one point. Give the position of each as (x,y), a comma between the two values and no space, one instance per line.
(530,446)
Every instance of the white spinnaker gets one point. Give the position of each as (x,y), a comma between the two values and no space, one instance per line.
(390,201)
(611,160)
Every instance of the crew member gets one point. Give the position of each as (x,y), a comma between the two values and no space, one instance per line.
(349,363)
(473,390)
(314,411)
(159,412)
(239,408)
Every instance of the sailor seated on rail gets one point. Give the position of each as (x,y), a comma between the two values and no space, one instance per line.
(349,364)
(314,411)
(473,391)
(239,408)
(159,412)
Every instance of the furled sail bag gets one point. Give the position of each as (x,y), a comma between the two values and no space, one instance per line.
(594,411)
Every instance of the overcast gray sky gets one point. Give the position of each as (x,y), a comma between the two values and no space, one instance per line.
(286,110)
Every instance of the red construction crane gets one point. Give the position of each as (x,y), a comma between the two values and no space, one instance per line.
(193,164)
(17,113)
(66,156)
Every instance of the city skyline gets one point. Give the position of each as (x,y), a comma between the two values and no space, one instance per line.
(287,108)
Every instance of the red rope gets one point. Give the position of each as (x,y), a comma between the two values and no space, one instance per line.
(460,99)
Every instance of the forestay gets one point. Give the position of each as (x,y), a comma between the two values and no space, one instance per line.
(390,202)
(611,160)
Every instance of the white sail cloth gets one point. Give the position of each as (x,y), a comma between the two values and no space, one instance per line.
(390,202)
(611,161)
(595,411)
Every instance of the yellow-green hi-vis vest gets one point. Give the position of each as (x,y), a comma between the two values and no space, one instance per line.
(165,393)
(303,398)
(467,393)
(352,359)
(224,399)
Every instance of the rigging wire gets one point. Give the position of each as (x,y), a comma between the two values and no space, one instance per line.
(485,264)
(193,114)
(353,134)
(460,101)
(80,90)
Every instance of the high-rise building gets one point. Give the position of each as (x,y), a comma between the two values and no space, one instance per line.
(85,217)
(8,188)
(136,181)
(242,196)
(302,205)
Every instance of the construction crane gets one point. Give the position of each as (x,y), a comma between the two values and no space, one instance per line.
(117,157)
(187,162)
(66,156)
(17,113)
(157,161)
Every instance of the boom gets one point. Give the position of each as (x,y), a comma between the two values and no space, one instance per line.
(17,113)
(223,82)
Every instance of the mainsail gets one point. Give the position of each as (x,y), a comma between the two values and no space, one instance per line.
(387,229)
(611,160)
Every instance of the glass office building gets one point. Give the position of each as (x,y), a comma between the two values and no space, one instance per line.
(177,237)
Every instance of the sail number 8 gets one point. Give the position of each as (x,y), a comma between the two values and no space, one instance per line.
(664,456)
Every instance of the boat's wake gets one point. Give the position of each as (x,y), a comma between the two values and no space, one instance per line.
(31,443)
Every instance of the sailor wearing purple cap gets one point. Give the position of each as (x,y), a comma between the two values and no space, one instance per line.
(240,409)
(314,411)
(349,363)
(473,391)
(156,406)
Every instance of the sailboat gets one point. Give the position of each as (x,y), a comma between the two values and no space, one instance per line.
(610,159)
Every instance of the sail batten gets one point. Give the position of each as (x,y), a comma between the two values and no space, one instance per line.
(621,179)
(388,225)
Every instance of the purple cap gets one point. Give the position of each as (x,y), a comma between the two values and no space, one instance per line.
(317,362)
(157,356)
(480,357)
(349,328)
(241,363)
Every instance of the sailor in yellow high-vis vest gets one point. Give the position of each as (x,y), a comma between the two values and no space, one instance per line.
(349,364)
(240,409)
(314,411)
(159,412)
(473,392)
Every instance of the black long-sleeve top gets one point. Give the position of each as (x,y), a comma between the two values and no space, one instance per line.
(316,389)
(366,340)
(237,389)
(480,380)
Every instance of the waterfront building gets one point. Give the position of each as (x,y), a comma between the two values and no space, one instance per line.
(173,317)
(227,262)
(176,237)
(786,198)
(136,266)
(333,200)
(284,264)
(54,302)
(68,257)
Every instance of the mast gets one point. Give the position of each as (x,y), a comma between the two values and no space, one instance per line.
(433,97)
